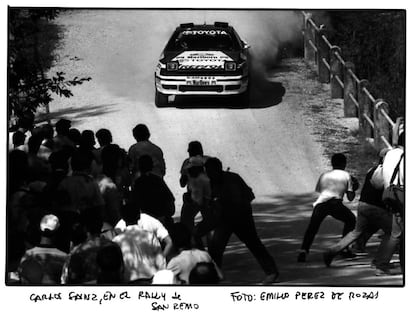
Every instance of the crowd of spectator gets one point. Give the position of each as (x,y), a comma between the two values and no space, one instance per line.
(81,212)
(85,213)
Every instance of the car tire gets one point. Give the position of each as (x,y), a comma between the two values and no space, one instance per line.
(244,98)
(161,100)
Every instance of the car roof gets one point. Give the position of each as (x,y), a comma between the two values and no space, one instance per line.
(215,26)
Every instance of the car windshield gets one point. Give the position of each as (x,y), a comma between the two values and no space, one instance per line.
(203,40)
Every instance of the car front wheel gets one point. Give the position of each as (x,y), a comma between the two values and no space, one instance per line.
(244,98)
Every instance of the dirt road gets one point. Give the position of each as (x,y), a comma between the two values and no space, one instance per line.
(269,144)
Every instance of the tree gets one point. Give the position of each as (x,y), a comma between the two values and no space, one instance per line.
(28,86)
(375,41)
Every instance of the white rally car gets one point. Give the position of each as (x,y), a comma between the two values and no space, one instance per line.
(207,59)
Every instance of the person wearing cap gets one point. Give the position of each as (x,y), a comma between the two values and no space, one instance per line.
(371,216)
(145,146)
(46,255)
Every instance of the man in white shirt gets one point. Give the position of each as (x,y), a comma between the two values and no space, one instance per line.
(152,225)
(332,186)
(141,249)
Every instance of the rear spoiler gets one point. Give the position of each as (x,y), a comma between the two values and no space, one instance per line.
(221,24)
(186,25)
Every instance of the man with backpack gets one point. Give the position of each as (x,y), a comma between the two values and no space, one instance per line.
(394,200)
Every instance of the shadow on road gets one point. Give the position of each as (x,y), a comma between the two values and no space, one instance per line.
(281,222)
(77,113)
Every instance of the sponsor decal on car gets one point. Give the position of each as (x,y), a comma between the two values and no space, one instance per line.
(201,60)
(204,32)
(200,66)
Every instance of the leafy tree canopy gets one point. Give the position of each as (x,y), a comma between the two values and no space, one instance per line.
(32,39)
(374,40)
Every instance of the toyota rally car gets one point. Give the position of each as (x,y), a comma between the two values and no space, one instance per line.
(203,60)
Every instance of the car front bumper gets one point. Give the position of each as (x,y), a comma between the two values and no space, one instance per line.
(201,85)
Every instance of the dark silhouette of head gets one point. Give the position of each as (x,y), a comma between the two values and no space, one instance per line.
(78,233)
(338,161)
(26,121)
(81,161)
(87,139)
(141,132)
(204,273)
(18,138)
(34,144)
(110,264)
(31,272)
(47,131)
(130,214)
(75,136)
(112,159)
(180,235)
(92,220)
(104,137)
(145,164)
(63,126)
(214,169)
(195,148)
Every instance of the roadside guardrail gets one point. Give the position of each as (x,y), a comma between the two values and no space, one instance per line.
(373,114)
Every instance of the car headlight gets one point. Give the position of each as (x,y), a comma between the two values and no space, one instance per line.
(230,66)
(172,66)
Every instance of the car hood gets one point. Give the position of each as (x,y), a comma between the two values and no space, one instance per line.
(202,59)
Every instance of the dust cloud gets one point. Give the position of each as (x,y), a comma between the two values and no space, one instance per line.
(266,31)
